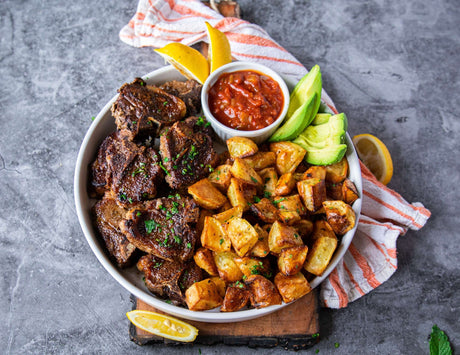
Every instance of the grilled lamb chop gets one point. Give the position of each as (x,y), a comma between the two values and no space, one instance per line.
(130,171)
(169,279)
(187,152)
(165,227)
(188,91)
(98,184)
(108,216)
(142,110)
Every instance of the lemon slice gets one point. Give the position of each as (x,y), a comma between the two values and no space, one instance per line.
(188,61)
(375,155)
(163,325)
(219,52)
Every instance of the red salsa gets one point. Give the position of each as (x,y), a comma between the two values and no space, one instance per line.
(246,100)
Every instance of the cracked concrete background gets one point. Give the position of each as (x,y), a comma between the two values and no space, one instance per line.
(391,66)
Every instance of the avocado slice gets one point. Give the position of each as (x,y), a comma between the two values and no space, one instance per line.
(321,118)
(326,156)
(304,102)
(311,83)
(324,142)
(296,123)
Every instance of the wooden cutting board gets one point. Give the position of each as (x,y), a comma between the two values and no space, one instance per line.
(294,327)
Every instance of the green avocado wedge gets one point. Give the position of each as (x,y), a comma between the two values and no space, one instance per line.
(321,118)
(311,83)
(324,142)
(304,103)
(297,123)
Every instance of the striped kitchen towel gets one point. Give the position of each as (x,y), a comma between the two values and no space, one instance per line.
(372,257)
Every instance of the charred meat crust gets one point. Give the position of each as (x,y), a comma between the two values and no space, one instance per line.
(165,227)
(130,171)
(188,91)
(169,279)
(187,152)
(108,216)
(141,109)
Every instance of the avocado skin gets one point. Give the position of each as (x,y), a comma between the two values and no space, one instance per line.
(324,142)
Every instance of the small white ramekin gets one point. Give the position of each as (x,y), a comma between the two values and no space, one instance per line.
(224,132)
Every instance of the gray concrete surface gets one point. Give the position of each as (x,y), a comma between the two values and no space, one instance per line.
(391,65)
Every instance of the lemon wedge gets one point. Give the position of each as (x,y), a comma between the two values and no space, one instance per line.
(375,155)
(219,52)
(163,325)
(188,61)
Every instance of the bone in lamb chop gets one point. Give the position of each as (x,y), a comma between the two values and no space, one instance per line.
(129,171)
(187,152)
(188,91)
(141,110)
(108,216)
(164,227)
(169,279)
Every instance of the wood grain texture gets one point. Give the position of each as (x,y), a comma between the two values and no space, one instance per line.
(294,327)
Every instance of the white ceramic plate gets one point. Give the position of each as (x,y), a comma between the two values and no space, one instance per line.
(131,278)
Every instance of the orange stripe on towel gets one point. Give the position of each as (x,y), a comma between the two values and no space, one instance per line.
(394,209)
(335,282)
(267,58)
(364,266)
(361,292)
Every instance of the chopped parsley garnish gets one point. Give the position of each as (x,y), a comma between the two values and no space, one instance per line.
(165,103)
(254,180)
(177,239)
(256,199)
(164,169)
(122,196)
(130,200)
(151,225)
(221,241)
(200,121)
(93,118)
(138,214)
(189,246)
(267,194)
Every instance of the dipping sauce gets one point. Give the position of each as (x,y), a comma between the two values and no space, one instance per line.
(246,100)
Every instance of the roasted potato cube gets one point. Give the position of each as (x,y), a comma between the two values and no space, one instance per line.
(313,193)
(200,224)
(340,216)
(260,249)
(334,190)
(270,178)
(240,147)
(213,236)
(262,292)
(261,160)
(253,266)
(337,172)
(226,266)
(305,227)
(291,260)
(265,211)
(315,171)
(225,207)
(204,259)
(221,285)
(227,215)
(220,177)
(288,156)
(320,255)
(249,192)
(242,171)
(236,297)
(285,184)
(290,209)
(349,192)
(282,236)
(206,195)
(293,287)
(242,234)
(235,194)
(322,229)
(203,295)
